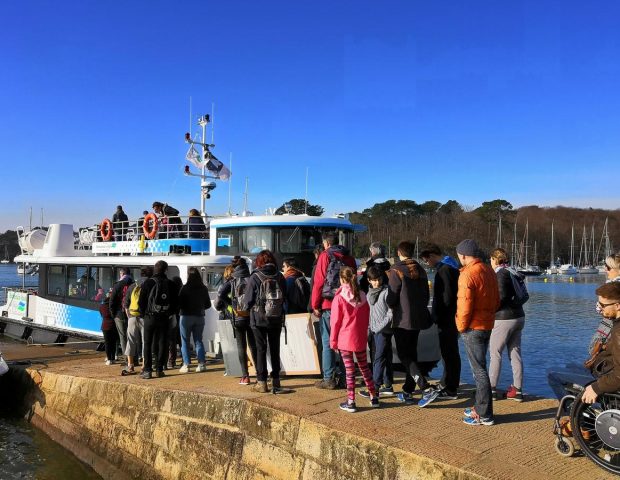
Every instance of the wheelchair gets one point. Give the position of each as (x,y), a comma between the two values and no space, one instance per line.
(595,428)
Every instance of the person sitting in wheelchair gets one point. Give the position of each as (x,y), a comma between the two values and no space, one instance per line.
(601,373)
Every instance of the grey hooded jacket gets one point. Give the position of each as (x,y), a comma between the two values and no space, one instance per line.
(380,313)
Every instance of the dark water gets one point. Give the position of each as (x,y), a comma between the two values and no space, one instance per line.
(26,452)
(560,319)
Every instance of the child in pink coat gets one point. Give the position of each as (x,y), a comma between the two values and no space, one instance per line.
(349,334)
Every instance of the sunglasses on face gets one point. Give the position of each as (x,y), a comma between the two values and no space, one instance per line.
(605,305)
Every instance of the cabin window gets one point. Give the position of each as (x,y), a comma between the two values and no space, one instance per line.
(227,241)
(78,281)
(211,278)
(290,240)
(103,280)
(255,240)
(56,280)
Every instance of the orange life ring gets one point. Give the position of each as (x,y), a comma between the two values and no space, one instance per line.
(150,232)
(106,230)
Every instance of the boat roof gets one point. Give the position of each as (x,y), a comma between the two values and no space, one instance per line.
(90,259)
(286,220)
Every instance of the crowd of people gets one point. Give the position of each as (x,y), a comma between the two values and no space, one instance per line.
(170,224)
(479,302)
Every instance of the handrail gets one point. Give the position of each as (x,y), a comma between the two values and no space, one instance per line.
(131,230)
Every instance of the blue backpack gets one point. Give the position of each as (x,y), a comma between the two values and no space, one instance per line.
(332,276)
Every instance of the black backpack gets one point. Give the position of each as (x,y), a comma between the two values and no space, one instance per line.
(159,298)
(518,283)
(270,300)
(332,276)
(300,296)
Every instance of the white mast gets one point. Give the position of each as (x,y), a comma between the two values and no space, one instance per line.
(229,188)
(552,263)
(572,245)
(306,198)
(245,198)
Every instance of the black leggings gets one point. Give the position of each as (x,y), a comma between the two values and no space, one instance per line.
(267,337)
(110,337)
(155,342)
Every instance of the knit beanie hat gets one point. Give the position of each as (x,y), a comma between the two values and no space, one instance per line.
(467,247)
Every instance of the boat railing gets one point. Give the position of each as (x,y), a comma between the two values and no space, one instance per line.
(134,230)
(18,289)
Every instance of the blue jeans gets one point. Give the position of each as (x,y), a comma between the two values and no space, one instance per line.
(571,373)
(192,325)
(328,356)
(382,371)
(477,344)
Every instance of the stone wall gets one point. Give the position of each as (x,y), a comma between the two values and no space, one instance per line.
(133,431)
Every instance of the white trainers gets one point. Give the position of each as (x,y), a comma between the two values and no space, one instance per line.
(184,369)
(201,368)
(109,362)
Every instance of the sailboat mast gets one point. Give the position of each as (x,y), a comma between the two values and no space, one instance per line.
(552,263)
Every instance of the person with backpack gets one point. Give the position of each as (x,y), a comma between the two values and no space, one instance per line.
(408,297)
(325,283)
(231,304)
(348,334)
(297,287)
(265,295)
(443,312)
(509,323)
(193,302)
(381,331)
(157,303)
(119,292)
(135,323)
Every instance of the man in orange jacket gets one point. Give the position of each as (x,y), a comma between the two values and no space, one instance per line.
(477,302)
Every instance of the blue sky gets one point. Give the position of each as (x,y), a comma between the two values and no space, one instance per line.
(379,100)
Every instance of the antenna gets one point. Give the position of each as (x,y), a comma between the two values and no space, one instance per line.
(306,198)
(229,187)
(213,122)
(30,218)
(245,198)
(41,217)
(190,116)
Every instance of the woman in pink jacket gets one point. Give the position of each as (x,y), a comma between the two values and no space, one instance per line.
(349,334)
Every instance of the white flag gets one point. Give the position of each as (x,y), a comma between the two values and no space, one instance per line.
(193,156)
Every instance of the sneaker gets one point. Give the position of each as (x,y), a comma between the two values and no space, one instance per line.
(374,402)
(428,397)
(349,407)
(326,384)
(405,397)
(170,365)
(478,421)
(244,381)
(201,368)
(386,392)
(494,395)
(514,393)
(364,393)
(146,375)
(469,412)
(160,374)
(184,369)
(109,362)
(447,395)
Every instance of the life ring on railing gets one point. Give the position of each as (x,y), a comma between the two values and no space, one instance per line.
(150,231)
(105,229)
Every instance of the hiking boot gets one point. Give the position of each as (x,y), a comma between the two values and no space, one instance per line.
(374,402)
(514,393)
(260,387)
(184,369)
(146,375)
(326,384)
(428,397)
(349,407)
(160,374)
(244,381)
(201,368)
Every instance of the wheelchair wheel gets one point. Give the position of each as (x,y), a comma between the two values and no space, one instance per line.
(564,447)
(596,428)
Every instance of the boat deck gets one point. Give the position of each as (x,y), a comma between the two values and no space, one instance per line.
(519,446)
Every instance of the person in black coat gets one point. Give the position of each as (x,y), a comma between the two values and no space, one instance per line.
(377,252)
(443,312)
(157,325)
(120,224)
(267,330)
(171,216)
(196,225)
(194,301)
(119,290)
